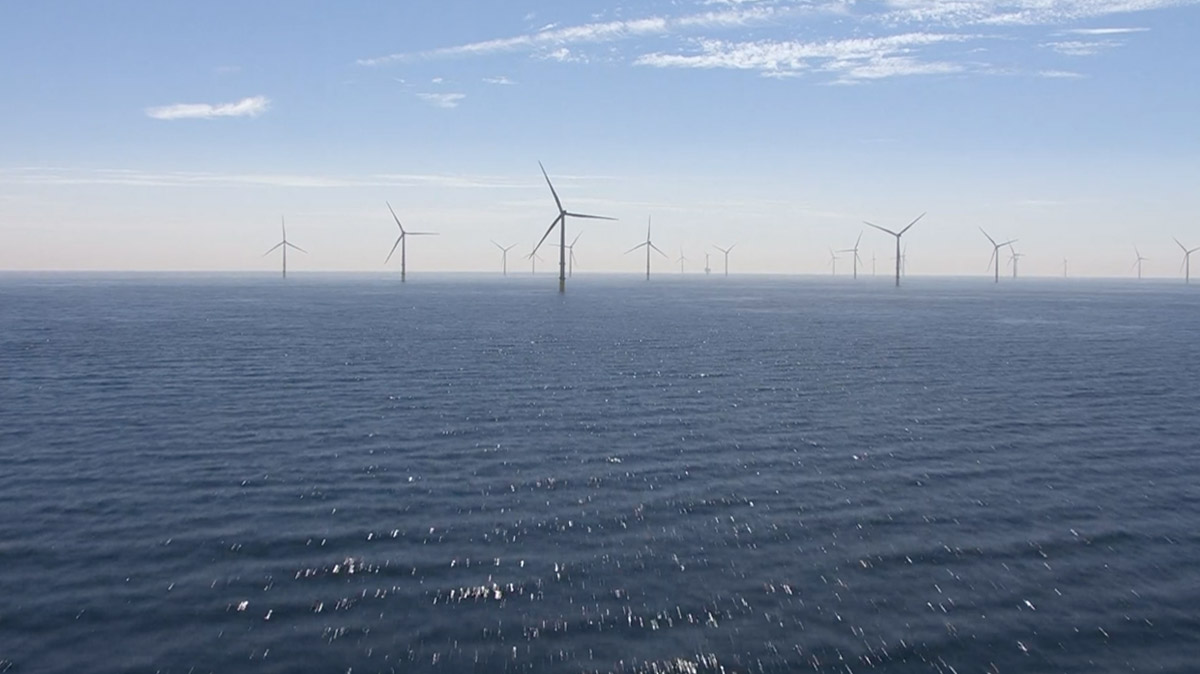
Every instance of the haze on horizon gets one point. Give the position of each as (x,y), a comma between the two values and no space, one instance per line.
(174,136)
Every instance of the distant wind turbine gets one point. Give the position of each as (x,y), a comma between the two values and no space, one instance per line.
(1014,259)
(648,245)
(402,242)
(726,252)
(533,260)
(994,260)
(284,244)
(856,259)
(561,221)
(707,267)
(504,255)
(833,258)
(897,235)
(682,258)
(872,264)
(1187,261)
(571,255)
(1139,262)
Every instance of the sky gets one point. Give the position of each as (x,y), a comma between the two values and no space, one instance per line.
(175,136)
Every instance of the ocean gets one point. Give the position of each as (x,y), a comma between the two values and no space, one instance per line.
(207,473)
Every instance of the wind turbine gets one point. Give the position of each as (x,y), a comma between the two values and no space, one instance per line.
(561,221)
(726,251)
(854,250)
(504,255)
(897,235)
(681,260)
(648,245)
(1139,262)
(707,267)
(833,258)
(872,264)
(995,258)
(1015,259)
(285,244)
(1187,261)
(402,242)
(571,255)
(533,260)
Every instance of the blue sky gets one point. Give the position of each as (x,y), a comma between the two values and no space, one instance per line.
(175,135)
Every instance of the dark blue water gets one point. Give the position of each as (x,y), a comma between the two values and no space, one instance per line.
(222,474)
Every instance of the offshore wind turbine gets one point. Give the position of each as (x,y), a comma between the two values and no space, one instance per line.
(854,250)
(504,255)
(284,244)
(995,258)
(1187,261)
(681,260)
(533,260)
(402,242)
(726,252)
(897,235)
(707,267)
(571,255)
(1014,259)
(1139,262)
(561,222)
(833,258)
(648,245)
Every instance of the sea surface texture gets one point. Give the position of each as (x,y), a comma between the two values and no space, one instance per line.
(691,474)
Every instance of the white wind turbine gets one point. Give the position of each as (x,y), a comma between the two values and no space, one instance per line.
(1139,262)
(707,266)
(533,260)
(284,244)
(1187,261)
(402,242)
(648,245)
(571,255)
(1014,259)
(682,258)
(504,255)
(833,258)
(854,250)
(726,252)
(897,235)
(561,222)
(995,258)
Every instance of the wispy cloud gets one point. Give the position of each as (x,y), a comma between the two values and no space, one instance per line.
(247,107)
(53,176)
(1060,74)
(852,59)
(1105,31)
(1082,47)
(502,81)
(442,100)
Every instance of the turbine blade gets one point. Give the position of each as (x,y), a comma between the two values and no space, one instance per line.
(989,238)
(295,247)
(394,247)
(590,217)
(882,229)
(857,241)
(575,240)
(497,245)
(421,234)
(636,247)
(911,224)
(659,251)
(556,201)
(993,257)
(550,229)
(389,205)
(1183,247)
(1009,243)
(273,248)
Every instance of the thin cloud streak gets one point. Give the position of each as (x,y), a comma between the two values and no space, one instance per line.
(247,107)
(136,178)
(442,100)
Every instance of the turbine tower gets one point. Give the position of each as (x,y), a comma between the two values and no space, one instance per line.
(854,250)
(995,258)
(1187,261)
(504,255)
(571,255)
(402,242)
(707,267)
(284,244)
(726,252)
(1139,262)
(897,235)
(561,221)
(648,245)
